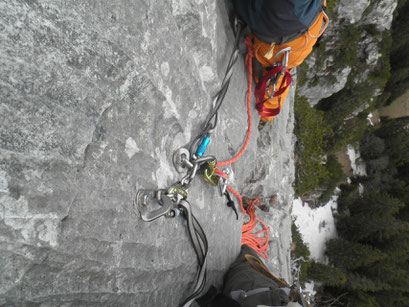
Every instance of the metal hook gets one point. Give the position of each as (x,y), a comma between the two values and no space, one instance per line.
(223,183)
(181,160)
(142,200)
(286,52)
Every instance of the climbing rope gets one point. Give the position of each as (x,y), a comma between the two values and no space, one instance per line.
(258,241)
(249,65)
(173,200)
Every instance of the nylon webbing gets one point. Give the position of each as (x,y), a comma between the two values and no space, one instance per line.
(200,244)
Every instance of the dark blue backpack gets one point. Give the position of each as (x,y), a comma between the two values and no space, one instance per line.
(278,21)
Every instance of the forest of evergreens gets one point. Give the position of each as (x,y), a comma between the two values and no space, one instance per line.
(372,250)
(369,261)
(399,59)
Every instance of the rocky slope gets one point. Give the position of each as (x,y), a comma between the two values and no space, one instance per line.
(95,98)
(353,40)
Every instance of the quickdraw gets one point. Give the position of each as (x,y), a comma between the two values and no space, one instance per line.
(171,204)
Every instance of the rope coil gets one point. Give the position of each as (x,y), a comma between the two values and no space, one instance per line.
(258,241)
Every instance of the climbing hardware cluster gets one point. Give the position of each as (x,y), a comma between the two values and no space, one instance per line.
(172,202)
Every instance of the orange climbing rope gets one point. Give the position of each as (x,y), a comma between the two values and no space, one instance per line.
(249,65)
(258,241)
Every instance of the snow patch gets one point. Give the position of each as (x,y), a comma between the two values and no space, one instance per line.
(357,164)
(309,289)
(316,225)
(370,119)
(361,189)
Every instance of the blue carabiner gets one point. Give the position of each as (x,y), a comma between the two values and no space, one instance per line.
(203,146)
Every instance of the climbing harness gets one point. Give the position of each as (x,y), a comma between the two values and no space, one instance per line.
(267,86)
(277,56)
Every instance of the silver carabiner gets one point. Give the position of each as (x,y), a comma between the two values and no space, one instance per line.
(145,198)
(204,159)
(197,163)
(185,182)
(223,183)
(286,52)
(271,84)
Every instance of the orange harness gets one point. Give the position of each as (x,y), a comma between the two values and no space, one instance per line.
(271,59)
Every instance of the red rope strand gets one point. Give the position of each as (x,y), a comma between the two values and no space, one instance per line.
(249,65)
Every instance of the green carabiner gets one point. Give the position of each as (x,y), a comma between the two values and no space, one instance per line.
(209,175)
(178,190)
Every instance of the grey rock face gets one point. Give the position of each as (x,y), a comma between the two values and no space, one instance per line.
(95,98)
(352,10)
(382,15)
(325,87)
(331,77)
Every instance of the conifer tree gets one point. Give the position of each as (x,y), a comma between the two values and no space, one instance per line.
(367,228)
(326,274)
(363,299)
(396,135)
(352,255)
(358,283)
(394,274)
(392,298)
(397,247)
(371,147)
(398,83)
(376,204)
